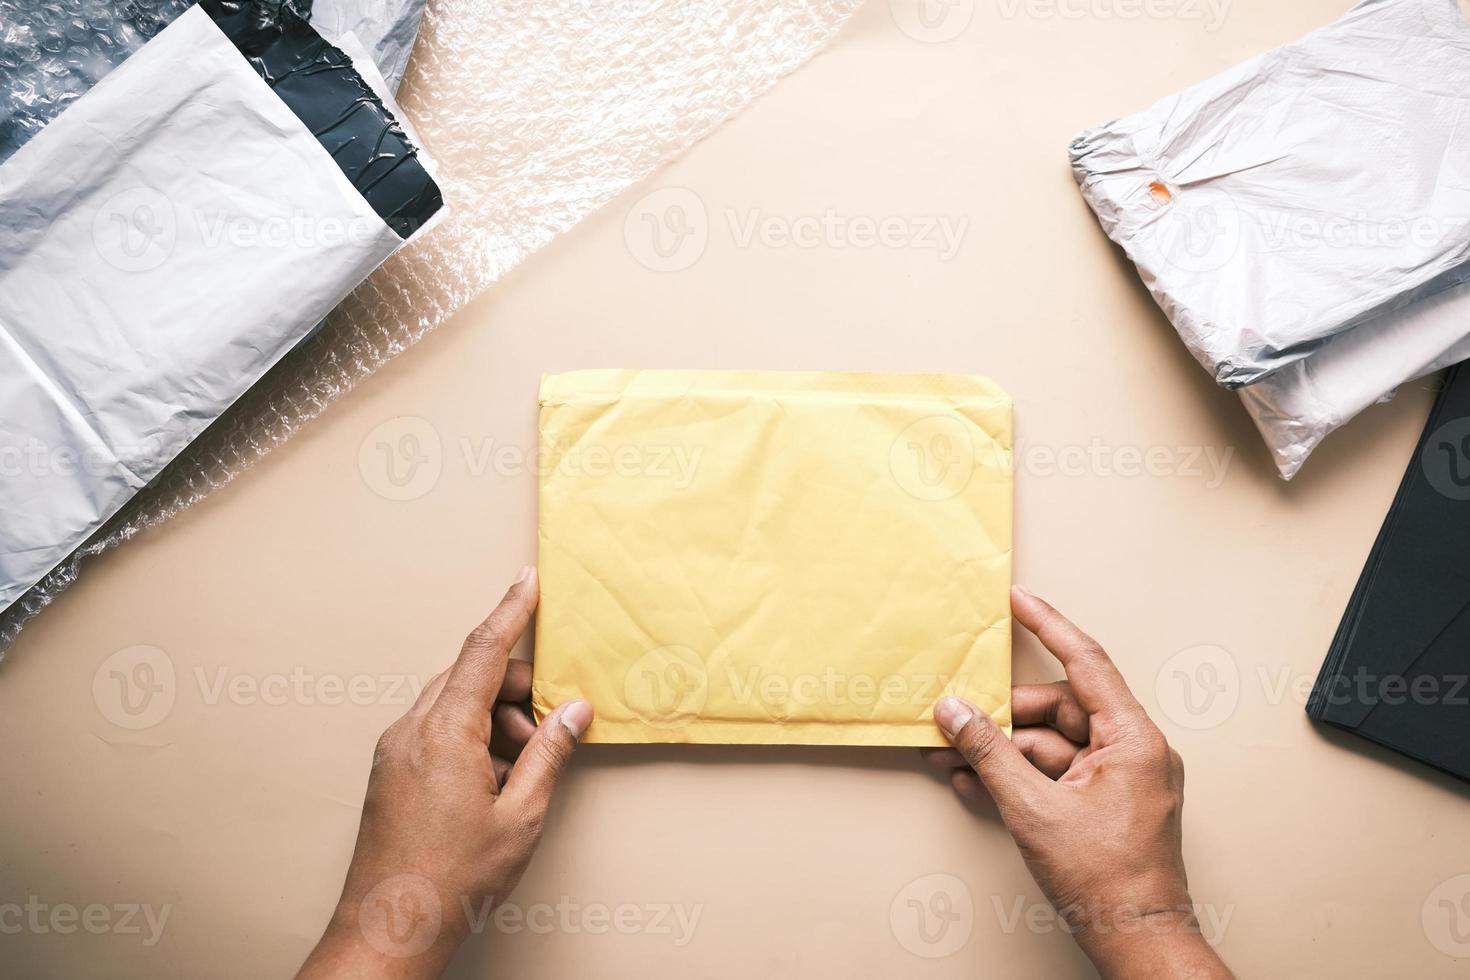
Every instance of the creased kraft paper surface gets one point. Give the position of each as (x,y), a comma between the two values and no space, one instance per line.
(773,557)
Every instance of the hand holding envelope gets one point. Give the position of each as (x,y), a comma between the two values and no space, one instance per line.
(445,820)
(1087,771)
(749,557)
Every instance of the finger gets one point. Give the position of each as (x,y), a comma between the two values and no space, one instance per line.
(944,758)
(1050,704)
(533,778)
(513,723)
(969,789)
(1079,771)
(502,770)
(1096,683)
(474,679)
(1017,787)
(517,683)
(1046,749)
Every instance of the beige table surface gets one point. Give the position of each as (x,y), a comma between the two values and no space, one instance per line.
(234,812)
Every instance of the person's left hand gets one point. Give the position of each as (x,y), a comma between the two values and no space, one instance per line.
(448,828)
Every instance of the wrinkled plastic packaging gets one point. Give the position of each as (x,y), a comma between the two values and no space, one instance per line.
(163,243)
(53,51)
(771,557)
(1288,215)
(385,28)
(537,114)
(1303,403)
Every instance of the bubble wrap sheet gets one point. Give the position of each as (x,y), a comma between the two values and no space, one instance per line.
(53,51)
(538,112)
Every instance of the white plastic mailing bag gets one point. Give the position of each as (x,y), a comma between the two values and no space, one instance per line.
(163,242)
(385,28)
(1316,188)
(1300,405)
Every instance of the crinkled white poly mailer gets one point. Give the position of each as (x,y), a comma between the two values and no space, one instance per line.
(1316,188)
(163,243)
(385,28)
(1300,405)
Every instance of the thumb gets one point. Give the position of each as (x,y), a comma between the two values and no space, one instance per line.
(1013,782)
(533,777)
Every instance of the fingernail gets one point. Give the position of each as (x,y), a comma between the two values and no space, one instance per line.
(526,571)
(575,716)
(1023,592)
(952,715)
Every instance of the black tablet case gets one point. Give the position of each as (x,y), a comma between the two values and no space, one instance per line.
(1398,670)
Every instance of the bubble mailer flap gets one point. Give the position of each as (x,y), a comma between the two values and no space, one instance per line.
(537,112)
(163,243)
(1313,189)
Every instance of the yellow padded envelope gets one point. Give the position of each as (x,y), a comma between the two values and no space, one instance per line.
(773,557)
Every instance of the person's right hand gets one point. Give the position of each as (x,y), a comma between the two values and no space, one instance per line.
(1092,793)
